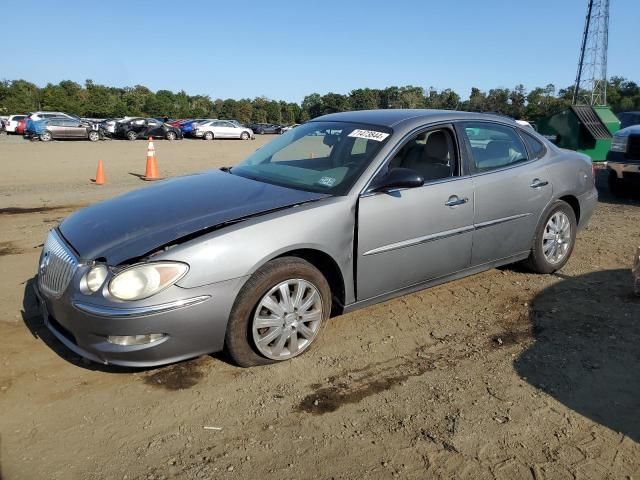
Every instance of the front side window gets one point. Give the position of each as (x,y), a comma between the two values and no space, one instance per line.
(431,153)
(494,146)
(325,157)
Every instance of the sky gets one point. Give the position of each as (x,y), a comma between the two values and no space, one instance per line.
(287,49)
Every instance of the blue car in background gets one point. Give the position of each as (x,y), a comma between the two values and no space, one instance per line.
(188,127)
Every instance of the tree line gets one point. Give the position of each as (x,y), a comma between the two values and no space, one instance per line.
(99,101)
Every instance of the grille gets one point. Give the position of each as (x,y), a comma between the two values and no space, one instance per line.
(57,266)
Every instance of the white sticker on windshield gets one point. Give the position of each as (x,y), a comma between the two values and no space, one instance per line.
(369,135)
(327,181)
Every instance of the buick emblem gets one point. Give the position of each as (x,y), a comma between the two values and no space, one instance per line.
(44,263)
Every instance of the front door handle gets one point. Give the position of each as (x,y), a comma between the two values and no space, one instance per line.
(455,200)
(537,183)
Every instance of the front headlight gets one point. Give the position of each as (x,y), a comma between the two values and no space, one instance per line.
(142,281)
(619,144)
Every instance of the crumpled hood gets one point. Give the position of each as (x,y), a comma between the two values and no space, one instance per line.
(133,224)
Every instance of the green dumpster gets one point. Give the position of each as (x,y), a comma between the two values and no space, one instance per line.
(584,128)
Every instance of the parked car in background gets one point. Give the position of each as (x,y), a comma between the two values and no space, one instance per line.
(628,119)
(188,127)
(12,122)
(263,128)
(20,128)
(256,258)
(623,160)
(222,129)
(67,128)
(135,128)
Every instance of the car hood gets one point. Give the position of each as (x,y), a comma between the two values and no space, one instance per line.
(134,224)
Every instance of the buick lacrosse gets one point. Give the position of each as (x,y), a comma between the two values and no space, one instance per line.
(339,213)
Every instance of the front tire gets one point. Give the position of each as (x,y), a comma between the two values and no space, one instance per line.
(279,313)
(131,135)
(94,136)
(46,137)
(171,136)
(554,240)
(208,136)
(244,136)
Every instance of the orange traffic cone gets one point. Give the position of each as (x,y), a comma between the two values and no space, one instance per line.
(151,172)
(100,174)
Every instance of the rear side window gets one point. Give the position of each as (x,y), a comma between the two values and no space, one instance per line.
(494,146)
(535,147)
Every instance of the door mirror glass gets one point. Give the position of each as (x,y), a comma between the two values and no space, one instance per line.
(398,178)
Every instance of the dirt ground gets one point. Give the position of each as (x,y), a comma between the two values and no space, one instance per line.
(504,375)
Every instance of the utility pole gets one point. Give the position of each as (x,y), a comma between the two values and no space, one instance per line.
(591,79)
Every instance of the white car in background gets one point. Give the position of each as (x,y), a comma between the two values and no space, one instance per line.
(222,129)
(12,122)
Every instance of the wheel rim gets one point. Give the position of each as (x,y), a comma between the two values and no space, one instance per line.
(208,136)
(132,136)
(287,319)
(93,136)
(245,136)
(171,135)
(557,237)
(46,137)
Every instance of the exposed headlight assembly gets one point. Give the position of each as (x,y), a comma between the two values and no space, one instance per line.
(142,281)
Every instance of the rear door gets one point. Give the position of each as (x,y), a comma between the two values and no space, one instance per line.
(409,236)
(512,188)
(57,128)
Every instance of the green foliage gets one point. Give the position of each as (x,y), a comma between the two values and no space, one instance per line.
(100,101)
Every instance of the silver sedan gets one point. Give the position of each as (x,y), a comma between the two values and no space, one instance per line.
(347,210)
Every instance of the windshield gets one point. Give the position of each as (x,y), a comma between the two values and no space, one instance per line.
(325,157)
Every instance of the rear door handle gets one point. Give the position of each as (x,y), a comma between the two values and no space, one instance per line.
(537,183)
(455,200)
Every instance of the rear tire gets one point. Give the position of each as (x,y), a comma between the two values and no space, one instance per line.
(241,332)
(554,240)
(131,135)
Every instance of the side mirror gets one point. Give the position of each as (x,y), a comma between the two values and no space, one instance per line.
(397,178)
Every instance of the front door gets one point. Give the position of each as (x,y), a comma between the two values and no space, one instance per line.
(409,236)
(511,190)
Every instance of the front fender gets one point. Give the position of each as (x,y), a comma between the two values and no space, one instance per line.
(240,249)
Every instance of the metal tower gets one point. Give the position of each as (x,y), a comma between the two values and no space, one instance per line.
(591,80)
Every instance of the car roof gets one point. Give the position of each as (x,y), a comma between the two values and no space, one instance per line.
(393,117)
